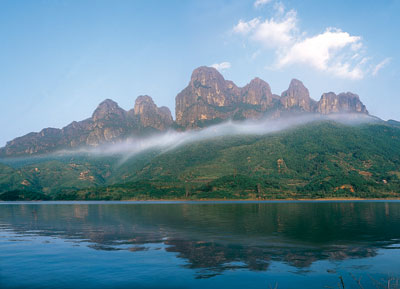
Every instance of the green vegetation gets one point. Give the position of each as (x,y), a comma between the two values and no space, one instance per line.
(21,195)
(319,160)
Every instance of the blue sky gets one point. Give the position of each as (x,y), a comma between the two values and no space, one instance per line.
(60,59)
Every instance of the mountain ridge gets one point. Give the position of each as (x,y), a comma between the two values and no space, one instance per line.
(206,100)
(321,159)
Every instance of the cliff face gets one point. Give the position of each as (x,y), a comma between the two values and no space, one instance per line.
(297,97)
(47,139)
(207,99)
(109,123)
(256,99)
(344,102)
(258,93)
(151,116)
(210,98)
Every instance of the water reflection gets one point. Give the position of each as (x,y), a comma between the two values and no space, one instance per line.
(213,238)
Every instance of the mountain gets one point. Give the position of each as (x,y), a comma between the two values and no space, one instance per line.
(297,97)
(208,99)
(108,123)
(150,116)
(304,149)
(393,122)
(344,102)
(314,160)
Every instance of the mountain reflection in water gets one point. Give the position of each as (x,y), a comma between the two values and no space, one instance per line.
(213,238)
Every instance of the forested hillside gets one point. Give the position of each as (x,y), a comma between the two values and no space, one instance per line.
(318,160)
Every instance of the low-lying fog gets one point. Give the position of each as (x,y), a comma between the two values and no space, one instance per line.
(173,139)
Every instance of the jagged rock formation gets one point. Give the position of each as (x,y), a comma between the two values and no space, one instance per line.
(207,99)
(257,98)
(344,102)
(109,123)
(297,97)
(151,116)
(108,110)
(258,93)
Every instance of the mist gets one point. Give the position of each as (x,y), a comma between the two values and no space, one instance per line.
(171,139)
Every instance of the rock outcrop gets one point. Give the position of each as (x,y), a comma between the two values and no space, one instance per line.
(109,123)
(108,110)
(257,98)
(342,103)
(208,99)
(258,93)
(297,98)
(151,116)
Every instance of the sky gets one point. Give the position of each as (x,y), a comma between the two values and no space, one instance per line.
(60,59)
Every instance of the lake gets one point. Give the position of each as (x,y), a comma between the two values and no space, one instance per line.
(199,244)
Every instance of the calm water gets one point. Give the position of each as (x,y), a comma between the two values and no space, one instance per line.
(198,245)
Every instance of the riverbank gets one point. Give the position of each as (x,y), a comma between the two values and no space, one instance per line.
(207,200)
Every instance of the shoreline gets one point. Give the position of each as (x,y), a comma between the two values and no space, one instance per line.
(262,200)
(207,200)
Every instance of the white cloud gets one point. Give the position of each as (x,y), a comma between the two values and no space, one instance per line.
(271,32)
(221,66)
(245,27)
(346,70)
(260,3)
(380,65)
(326,52)
(333,51)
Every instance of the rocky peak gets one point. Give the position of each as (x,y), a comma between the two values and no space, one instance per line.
(151,116)
(110,123)
(203,99)
(258,82)
(205,76)
(297,97)
(207,99)
(209,85)
(350,102)
(167,113)
(258,86)
(257,92)
(328,103)
(344,102)
(296,84)
(296,90)
(106,110)
(143,104)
